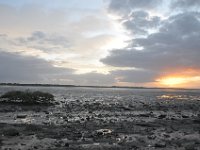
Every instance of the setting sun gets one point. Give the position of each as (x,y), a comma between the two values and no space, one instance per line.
(173,81)
(178,81)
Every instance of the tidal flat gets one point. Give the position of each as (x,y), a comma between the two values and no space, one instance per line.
(102,119)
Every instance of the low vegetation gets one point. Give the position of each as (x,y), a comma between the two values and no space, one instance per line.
(27,97)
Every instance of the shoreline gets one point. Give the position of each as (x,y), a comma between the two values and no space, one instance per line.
(88,86)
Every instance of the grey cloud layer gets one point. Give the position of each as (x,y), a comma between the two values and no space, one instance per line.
(17,68)
(174,45)
(123,7)
(24,69)
(185,3)
(139,22)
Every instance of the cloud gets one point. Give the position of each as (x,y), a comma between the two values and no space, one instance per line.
(45,41)
(164,39)
(173,46)
(139,22)
(134,76)
(93,78)
(67,36)
(185,4)
(25,69)
(124,7)
(17,68)
(139,17)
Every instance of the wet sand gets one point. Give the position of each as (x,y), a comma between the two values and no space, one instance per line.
(104,122)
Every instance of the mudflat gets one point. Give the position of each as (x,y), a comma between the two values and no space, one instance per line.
(97,118)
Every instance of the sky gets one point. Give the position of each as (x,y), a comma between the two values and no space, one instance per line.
(150,43)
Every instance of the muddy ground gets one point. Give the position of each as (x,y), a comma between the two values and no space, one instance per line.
(102,121)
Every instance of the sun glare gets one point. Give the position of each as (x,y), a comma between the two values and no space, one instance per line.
(173,81)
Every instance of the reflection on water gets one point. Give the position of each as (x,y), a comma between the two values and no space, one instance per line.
(178,97)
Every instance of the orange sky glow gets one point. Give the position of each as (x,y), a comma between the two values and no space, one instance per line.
(182,78)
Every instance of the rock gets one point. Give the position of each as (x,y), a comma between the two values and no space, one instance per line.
(144,115)
(11,132)
(151,137)
(87,118)
(103,131)
(166,135)
(66,144)
(169,130)
(46,112)
(184,116)
(160,145)
(162,116)
(21,116)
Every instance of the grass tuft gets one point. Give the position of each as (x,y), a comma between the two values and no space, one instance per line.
(27,97)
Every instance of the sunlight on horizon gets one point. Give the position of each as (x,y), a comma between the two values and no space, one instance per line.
(177,81)
(172,81)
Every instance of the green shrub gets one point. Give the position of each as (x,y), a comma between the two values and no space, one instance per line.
(27,97)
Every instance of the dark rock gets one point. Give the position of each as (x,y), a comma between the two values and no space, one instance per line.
(151,137)
(87,118)
(144,115)
(46,112)
(162,116)
(173,118)
(66,144)
(21,116)
(166,135)
(11,132)
(160,145)
(103,132)
(184,116)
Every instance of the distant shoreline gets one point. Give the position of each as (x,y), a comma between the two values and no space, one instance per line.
(88,86)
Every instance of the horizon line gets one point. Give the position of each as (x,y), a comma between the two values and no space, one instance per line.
(92,86)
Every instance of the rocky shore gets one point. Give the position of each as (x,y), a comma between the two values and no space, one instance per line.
(101,122)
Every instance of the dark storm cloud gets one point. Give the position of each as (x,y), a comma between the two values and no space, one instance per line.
(174,45)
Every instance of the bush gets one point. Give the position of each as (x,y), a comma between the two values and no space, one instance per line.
(27,97)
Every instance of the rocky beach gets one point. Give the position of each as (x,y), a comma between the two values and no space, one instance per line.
(103,119)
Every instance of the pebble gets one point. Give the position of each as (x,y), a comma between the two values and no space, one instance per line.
(162,116)
(21,116)
(160,145)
